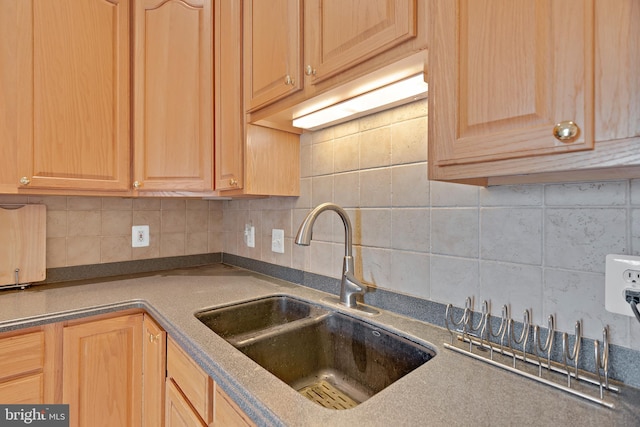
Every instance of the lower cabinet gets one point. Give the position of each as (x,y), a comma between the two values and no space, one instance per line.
(227,413)
(118,369)
(102,371)
(191,383)
(154,369)
(178,410)
(193,398)
(26,366)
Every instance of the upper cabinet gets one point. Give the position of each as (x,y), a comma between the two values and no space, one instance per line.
(273,47)
(173,95)
(523,92)
(343,45)
(341,34)
(250,160)
(64,109)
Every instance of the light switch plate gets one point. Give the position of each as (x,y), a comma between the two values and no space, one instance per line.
(277,241)
(250,235)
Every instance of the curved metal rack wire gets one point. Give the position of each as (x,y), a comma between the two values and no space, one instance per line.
(506,343)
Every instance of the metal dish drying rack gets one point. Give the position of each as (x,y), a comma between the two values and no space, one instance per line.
(520,355)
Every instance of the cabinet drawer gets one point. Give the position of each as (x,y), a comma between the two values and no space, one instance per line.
(227,411)
(21,354)
(24,390)
(178,411)
(194,383)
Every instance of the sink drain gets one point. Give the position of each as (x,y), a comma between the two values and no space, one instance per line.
(327,395)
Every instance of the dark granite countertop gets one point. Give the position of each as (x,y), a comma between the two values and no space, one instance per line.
(451,389)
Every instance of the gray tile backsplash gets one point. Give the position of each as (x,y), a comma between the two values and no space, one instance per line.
(539,247)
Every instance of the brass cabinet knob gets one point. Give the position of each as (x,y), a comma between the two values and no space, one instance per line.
(233,182)
(25,181)
(289,81)
(137,185)
(154,338)
(310,71)
(566,131)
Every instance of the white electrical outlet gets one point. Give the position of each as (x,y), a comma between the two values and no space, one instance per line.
(139,236)
(622,273)
(277,241)
(250,235)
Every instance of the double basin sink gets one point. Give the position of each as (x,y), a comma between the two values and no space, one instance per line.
(333,359)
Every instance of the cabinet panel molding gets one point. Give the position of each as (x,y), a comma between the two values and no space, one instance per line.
(339,34)
(505,74)
(102,368)
(173,95)
(74,83)
(272,50)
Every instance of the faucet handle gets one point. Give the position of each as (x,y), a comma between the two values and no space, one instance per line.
(350,288)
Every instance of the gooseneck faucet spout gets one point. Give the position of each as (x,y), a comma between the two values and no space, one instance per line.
(350,286)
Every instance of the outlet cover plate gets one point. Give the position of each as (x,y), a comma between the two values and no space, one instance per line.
(139,236)
(619,275)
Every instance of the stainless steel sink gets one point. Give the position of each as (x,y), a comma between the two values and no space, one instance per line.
(331,358)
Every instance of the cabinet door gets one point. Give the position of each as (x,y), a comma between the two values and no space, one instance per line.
(227,412)
(340,34)
(179,413)
(503,73)
(72,82)
(154,359)
(102,370)
(272,50)
(10,100)
(193,382)
(173,95)
(229,108)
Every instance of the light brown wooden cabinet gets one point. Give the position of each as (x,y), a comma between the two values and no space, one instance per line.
(70,71)
(154,369)
(273,50)
(173,95)
(193,398)
(111,369)
(64,109)
(102,371)
(191,381)
(502,76)
(339,42)
(178,410)
(227,413)
(229,107)
(250,160)
(342,34)
(27,366)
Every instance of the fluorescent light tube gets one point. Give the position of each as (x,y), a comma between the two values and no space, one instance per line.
(394,94)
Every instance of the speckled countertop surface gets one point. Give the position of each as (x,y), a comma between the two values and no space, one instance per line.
(450,389)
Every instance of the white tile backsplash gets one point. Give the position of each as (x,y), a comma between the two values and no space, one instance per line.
(511,234)
(580,238)
(515,284)
(540,247)
(586,194)
(410,229)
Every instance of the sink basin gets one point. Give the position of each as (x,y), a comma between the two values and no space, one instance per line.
(333,359)
(248,318)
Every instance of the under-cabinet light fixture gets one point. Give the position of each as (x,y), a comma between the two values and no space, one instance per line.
(391,95)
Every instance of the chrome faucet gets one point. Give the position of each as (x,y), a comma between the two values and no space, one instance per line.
(350,287)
